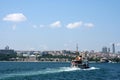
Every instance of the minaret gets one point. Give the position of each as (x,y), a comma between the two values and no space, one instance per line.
(77,52)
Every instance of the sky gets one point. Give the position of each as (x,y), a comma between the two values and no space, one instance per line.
(59,24)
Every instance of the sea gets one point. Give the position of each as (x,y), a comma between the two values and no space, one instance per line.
(58,71)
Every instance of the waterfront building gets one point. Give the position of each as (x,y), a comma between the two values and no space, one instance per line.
(7,51)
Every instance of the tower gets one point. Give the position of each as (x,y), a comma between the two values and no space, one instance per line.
(76,47)
(113,47)
(77,52)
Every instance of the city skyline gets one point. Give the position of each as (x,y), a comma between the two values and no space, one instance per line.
(104,49)
(59,25)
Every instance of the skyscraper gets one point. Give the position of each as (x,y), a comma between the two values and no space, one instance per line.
(104,50)
(113,47)
(108,50)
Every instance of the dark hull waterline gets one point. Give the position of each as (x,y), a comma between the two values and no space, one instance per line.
(79,64)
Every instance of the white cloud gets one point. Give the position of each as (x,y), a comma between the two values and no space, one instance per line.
(74,25)
(89,25)
(56,24)
(15,17)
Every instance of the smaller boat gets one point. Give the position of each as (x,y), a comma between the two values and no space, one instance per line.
(80,62)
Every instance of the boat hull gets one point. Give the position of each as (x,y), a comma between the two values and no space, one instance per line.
(83,66)
(79,64)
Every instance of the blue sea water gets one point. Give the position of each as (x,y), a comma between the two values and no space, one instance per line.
(57,71)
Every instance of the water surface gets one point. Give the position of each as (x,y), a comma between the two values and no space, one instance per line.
(57,71)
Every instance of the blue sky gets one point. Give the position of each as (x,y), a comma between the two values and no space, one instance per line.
(59,24)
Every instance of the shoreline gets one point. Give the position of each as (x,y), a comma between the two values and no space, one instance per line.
(53,61)
(35,61)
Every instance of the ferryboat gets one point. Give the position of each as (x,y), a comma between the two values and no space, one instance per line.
(80,60)
(80,64)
